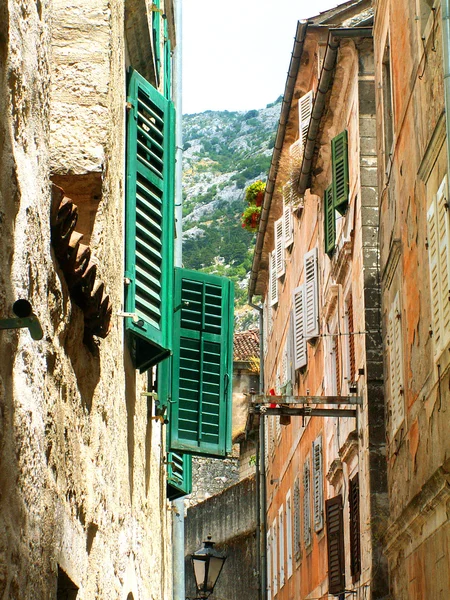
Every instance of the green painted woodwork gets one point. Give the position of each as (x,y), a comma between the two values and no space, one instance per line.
(156,30)
(200,407)
(149,222)
(339,160)
(167,63)
(179,475)
(329,221)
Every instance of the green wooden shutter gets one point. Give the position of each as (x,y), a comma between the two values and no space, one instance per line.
(200,409)
(339,159)
(179,475)
(156,29)
(329,221)
(167,62)
(149,221)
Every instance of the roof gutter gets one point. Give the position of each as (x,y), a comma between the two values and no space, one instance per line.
(328,66)
(270,185)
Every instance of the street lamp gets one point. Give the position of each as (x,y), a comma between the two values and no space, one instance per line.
(207,564)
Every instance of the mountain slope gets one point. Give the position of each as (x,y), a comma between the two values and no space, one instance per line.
(223,153)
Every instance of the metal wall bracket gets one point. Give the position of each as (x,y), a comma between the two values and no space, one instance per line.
(25,318)
(303,412)
(305,400)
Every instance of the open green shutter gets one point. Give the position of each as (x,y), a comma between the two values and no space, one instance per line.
(200,408)
(179,475)
(149,221)
(339,158)
(167,63)
(329,221)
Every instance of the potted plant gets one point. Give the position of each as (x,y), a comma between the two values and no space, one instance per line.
(250,218)
(254,194)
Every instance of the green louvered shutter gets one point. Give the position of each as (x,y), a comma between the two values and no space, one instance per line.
(167,62)
(156,28)
(339,159)
(179,475)
(200,408)
(329,221)
(149,221)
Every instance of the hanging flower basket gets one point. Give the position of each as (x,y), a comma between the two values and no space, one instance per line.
(250,218)
(254,194)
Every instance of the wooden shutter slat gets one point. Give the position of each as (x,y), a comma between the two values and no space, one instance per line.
(273,279)
(179,475)
(335,540)
(297,539)
(288,223)
(339,159)
(149,222)
(279,247)
(307,503)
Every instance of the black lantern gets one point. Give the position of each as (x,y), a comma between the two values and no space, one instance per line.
(207,565)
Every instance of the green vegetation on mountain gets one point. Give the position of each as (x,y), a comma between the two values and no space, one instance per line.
(224,152)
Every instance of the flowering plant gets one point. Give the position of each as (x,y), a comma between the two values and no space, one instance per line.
(254,194)
(250,218)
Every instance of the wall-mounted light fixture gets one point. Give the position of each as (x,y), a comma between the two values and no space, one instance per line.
(207,564)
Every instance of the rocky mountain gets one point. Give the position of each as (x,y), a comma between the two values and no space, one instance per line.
(224,152)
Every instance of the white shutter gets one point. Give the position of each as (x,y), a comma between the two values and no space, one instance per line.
(290,374)
(433,258)
(269,565)
(289,533)
(396,365)
(273,281)
(300,349)
(266,309)
(281,543)
(288,225)
(274,558)
(311,295)
(305,105)
(306,503)
(279,247)
(444,267)
(318,483)
(297,542)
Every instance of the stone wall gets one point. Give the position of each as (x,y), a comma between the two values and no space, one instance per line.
(230,519)
(81,478)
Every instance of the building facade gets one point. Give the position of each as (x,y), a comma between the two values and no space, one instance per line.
(411,50)
(316,266)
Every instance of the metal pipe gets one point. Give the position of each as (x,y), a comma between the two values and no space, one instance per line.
(260,472)
(178,575)
(445,7)
(270,185)
(177,97)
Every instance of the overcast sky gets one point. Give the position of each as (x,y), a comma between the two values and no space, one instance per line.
(236,54)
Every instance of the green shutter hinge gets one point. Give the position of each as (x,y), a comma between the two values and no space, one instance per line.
(129,105)
(24,318)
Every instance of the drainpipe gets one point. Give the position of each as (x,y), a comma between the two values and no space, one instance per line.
(445,7)
(260,473)
(178,505)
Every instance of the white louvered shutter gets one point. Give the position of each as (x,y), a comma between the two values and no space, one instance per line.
(281,543)
(311,295)
(318,483)
(290,376)
(279,247)
(433,258)
(396,365)
(289,534)
(306,503)
(304,113)
(288,225)
(266,309)
(443,215)
(300,349)
(274,558)
(273,281)
(297,544)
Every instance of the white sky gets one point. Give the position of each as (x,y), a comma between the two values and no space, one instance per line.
(236,54)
